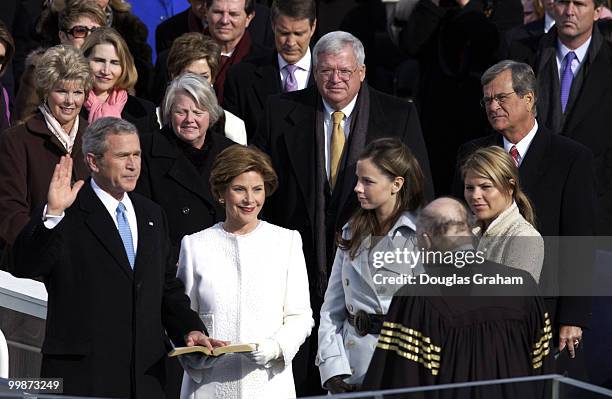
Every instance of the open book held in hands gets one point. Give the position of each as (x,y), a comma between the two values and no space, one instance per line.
(220,350)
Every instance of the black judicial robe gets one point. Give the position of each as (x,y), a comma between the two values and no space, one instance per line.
(437,334)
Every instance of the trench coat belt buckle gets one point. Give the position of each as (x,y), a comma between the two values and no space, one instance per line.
(365,323)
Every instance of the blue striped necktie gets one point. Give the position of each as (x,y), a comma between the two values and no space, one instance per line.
(125,233)
(567,77)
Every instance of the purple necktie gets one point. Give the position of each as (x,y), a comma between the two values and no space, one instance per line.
(290,81)
(566,79)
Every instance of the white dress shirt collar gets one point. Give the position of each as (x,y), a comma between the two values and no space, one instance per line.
(580,52)
(347,111)
(523,145)
(302,73)
(110,203)
(303,63)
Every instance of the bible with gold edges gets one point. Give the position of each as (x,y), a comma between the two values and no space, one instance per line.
(220,350)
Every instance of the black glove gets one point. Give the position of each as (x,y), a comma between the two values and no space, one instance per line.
(337,385)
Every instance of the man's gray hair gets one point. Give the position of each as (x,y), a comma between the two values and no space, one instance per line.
(334,43)
(198,88)
(94,139)
(523,78)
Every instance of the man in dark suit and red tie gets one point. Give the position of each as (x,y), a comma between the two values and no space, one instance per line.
(556,173)
(104,256)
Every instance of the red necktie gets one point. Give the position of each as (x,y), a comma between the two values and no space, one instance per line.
(224,59)
(515,155)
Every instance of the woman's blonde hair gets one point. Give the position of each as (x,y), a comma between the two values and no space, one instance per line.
(129,76)
(495,164)
(61,63)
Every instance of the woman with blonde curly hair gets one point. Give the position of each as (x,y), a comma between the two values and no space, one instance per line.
(505,215)
(114,78)
(29,152)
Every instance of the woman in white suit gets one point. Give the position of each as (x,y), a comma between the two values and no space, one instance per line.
(389,189)
(247,280)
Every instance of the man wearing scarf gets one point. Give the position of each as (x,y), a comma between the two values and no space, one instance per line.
(314,137)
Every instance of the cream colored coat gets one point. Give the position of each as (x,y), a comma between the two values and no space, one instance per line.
(246,288)
(512,241)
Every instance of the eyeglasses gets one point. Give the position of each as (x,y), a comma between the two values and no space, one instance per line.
(500,98)
(343,74)
(79,31)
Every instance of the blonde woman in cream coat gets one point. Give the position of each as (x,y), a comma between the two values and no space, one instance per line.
(505,215)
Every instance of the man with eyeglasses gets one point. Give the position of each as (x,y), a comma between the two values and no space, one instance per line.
(573,69)
(556,173)
(314,137)
(574,65)
(287,68)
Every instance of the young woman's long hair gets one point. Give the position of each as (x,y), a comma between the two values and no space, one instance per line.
(393,159)
(495,164)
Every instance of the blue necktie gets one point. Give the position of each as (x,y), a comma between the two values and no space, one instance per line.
(566,79)
(125,233)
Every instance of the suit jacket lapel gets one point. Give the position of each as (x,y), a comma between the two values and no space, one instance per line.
(549,103)
(311,81)
(103,227)
(146,228)
(535,162)
(594,86)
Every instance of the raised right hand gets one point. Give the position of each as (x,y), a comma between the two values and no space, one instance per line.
(61,194)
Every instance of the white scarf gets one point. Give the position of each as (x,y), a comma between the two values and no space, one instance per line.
(67,139)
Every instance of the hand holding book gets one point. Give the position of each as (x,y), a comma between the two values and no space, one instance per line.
(199,338)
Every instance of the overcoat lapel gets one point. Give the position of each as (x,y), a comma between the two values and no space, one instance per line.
(103,227)
(267,80)
(300,142)
(596,84)
(182,171)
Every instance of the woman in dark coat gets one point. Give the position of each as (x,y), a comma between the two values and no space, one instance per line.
(29,152)
(114,77)
(176,163)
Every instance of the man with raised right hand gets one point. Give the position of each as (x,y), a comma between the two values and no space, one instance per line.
(104,256)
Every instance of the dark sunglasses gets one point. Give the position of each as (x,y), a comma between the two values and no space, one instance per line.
(79,31)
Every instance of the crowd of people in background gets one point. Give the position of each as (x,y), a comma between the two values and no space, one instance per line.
(235,185)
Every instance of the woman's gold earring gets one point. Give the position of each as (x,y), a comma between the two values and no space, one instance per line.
(221,201)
